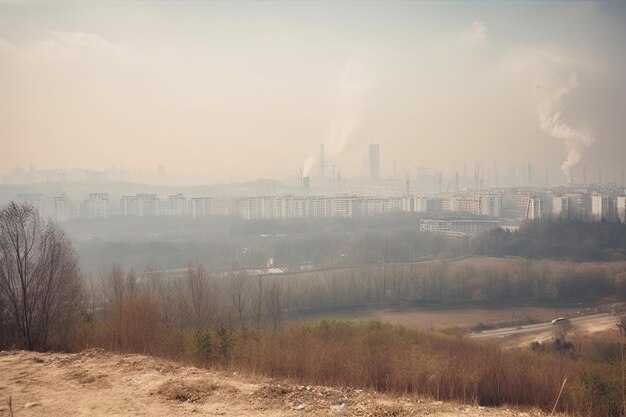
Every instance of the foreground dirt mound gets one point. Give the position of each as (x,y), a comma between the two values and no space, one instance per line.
(99,383)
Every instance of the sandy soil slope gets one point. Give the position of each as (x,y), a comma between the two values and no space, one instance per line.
(99,383)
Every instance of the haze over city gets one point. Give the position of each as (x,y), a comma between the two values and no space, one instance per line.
(218,92)
(313,208)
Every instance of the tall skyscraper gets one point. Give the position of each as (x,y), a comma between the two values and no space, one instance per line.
(374,161)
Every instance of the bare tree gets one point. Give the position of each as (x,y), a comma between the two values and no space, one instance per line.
(117,285)
(132,283)
(39,276)
(274,304)
(239,295)
(259,304)
(560,331)
(198,287)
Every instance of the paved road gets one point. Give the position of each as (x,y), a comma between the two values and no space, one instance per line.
(598,319)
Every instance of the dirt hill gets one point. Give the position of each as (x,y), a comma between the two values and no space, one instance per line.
(100,383)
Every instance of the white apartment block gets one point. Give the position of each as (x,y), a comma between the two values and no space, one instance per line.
(601,207)
(458,227)
(533,208)
(378,205)
(414,204)
(142,205)
(175,206)
(346,207)
(560,207)
(200,207)
(486,205)
(61,209)
(96,206)
(620,206)
(490,205)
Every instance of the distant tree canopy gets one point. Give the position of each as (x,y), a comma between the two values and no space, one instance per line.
(230,243)
(40,283)
(225,243)
(556,238)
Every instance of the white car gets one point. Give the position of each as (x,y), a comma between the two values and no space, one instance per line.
(555,321)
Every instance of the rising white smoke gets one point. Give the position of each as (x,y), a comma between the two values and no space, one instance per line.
(308,165)
(553,73)
(549,110)
(347,113)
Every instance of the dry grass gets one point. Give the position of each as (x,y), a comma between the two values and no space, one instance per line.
(186,390)
(386,358)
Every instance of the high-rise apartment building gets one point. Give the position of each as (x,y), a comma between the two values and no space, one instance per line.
(176,206)
(142,205)
(97,205)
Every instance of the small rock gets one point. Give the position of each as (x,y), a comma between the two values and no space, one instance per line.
(30,405)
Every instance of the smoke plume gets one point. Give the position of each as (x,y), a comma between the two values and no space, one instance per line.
(549,110)
(553,73)
(348,107)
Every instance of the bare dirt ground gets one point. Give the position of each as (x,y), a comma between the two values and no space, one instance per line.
(99,383)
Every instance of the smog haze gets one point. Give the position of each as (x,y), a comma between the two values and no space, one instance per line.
(235,91)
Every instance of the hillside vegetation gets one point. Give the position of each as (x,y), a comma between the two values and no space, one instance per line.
(557,238)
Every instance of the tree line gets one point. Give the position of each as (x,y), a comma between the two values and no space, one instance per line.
(556,238)
(42,290)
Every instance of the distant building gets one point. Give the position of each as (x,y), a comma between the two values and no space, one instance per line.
(414,204)
(346,207)
(602,208)
(201,207)
(533,208)
(561,207)
(61,209)
(374,161)
(176,206)
(469,205)
(380,205)
(458,227)
(96,206)
(434,205)
(255,207)
(490,205)
(580,205)
(620,206)
(142,205)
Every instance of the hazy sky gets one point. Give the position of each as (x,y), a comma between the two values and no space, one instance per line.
(243,90)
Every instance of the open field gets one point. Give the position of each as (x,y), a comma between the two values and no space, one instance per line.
(463,316)
(99,383)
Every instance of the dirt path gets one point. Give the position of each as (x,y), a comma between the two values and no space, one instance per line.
(99,383)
